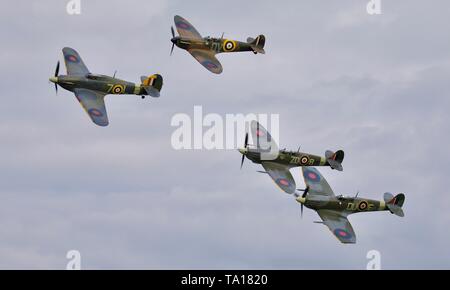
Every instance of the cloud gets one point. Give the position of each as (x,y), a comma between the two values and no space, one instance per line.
(375,86)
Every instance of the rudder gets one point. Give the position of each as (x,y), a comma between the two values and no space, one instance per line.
(152,84)
(395,203)
(257,44)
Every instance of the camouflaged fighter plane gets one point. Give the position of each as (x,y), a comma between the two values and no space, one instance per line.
(91,89)
(278,162)
(333,210)
(204,49)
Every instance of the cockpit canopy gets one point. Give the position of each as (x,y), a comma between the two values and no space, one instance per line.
(96,77)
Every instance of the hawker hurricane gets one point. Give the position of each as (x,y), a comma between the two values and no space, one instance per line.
(90,89)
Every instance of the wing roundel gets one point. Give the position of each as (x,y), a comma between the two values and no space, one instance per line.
(185,29)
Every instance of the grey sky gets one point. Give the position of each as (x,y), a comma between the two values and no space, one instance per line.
(375,86)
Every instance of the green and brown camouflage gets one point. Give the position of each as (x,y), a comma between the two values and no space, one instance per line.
(277,165)
(334,210)
(90,89)
(293,158)
(204,49)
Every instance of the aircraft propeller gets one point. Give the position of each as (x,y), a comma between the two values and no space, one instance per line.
(245,146)
(173,36)
(56,75)
(305,192)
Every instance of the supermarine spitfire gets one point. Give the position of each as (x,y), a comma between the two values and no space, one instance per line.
(91,89)
(278,166)
(333,210)
(204,49)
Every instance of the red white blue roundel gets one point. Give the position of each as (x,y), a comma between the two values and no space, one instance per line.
(363,205)
(72,58)
(283,182)
(259,133)
(210,65)
(183,25)
(311,175)
(342,234)
(95,113)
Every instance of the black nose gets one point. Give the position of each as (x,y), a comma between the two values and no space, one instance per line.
(174,40)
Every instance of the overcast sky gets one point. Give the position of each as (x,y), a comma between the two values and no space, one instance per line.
(377,87)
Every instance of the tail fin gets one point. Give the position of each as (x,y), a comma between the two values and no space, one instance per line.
(335,159)
(152,84)
(395,203)
(257,44)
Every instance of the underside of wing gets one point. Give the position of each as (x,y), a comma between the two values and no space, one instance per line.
(185,29)
(94,105)
(74,63)
(281,176)
(339,225)
(316,182)
(262,139)
(207,59)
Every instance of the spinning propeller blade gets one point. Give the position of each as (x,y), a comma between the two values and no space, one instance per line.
(245,146)
(56,75)
(57,69)
(173,36)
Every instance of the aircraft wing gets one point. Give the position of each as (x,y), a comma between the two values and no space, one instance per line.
(263,139)
(94,105)
(207,59)
(74,63)
(339,225)
(185,29)
(280,175)
(316,182)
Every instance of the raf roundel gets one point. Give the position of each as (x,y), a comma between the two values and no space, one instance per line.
(363,205)
(283,182)
(209,64)
(304,160)
(342,234)
(95,113)
(183,25)
(229,45)
(118,89)
(312,176)
(259,133)
(72,58)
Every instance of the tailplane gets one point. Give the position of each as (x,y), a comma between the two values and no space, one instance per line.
(335,159)
(152,84)
(257,44)
(395,203)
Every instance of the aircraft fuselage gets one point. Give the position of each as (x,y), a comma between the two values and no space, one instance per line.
(99,83)
(289,158)
(348,205)
(217,45)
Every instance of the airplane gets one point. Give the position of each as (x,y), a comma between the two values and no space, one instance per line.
(91,89)
(279,164)
(204,49)
(333,210)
